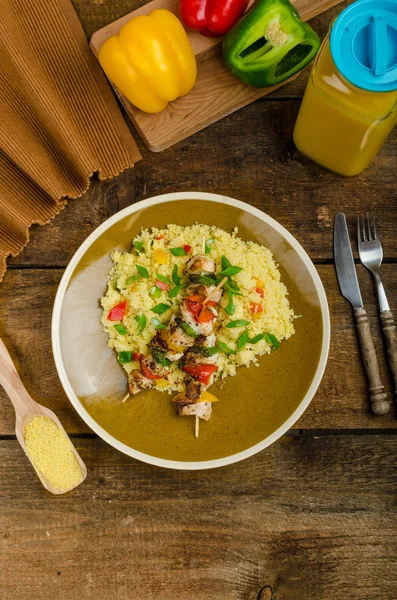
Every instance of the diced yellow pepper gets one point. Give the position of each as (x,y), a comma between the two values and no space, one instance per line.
(151,60)
(207,397)
(161,383)
(160,256)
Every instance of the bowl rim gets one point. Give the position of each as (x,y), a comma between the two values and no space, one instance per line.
(153,460)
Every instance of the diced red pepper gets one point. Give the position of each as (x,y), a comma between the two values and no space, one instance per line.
(187,248)
(160,236)
(194,306)
(202,373)
(163,286)
(260,291)
(118,311)
(137,356)
(206,315)
(255,308)
(201,313)
(196,298)
(211,303)
(147,373)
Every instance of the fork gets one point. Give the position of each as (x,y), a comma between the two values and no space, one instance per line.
(371,256)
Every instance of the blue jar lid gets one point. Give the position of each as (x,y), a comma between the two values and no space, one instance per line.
(364,44)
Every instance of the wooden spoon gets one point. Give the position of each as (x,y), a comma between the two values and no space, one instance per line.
(26,409)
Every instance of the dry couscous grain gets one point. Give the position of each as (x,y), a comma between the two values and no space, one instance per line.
(262,298)
(51,453)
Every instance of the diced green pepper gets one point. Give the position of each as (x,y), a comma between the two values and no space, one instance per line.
(155,292)
(270,44)
(124,357)
(204,279)
(159,356)
(120,329)
(188,330)
(157,323)
(208,245)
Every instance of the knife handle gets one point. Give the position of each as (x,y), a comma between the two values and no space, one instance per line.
(390,333)
(379,401)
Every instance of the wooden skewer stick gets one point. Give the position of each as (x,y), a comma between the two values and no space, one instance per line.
(125,399)
(197,425)
(208,298)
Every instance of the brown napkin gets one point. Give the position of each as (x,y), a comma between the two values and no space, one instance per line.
(59,122)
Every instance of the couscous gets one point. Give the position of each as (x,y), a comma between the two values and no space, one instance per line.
(156,312)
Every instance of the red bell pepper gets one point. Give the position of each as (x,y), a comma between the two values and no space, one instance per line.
(163,286)
(195,304)
(137,356)
(202,373)
(201,313)
(187,248)
(206,315)
(147,372)
(118,311)
(212,17)
(255,308)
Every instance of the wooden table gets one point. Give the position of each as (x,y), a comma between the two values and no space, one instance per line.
(314,517)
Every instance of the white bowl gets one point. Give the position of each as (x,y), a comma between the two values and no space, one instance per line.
(63,338)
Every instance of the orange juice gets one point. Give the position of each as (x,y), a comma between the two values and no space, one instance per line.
(340,125)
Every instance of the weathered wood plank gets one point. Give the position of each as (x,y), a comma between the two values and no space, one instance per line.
(311,518)
(250,156)
(25,314)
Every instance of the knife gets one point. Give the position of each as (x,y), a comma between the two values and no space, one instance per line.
(348,283)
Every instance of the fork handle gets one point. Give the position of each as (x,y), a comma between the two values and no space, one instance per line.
(379,401)
(390,333)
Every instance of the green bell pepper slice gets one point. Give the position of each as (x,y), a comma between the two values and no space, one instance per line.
(270,44)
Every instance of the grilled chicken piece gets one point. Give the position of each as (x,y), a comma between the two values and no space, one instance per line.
(159,343)
(149,364)
(205,290)
(193,390)
(137,382)
(195,356)
(208,341)
(202,410)
(175,334)
(200,265)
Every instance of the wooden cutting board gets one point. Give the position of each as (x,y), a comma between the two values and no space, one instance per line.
(217,92)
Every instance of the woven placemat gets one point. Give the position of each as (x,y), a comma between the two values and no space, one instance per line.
(59,120)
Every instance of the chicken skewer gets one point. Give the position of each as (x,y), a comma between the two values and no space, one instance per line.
(200,313)
(187,337)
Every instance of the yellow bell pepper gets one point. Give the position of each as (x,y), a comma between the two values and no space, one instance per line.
(151,60)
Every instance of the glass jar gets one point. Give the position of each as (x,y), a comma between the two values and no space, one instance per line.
(350,104)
